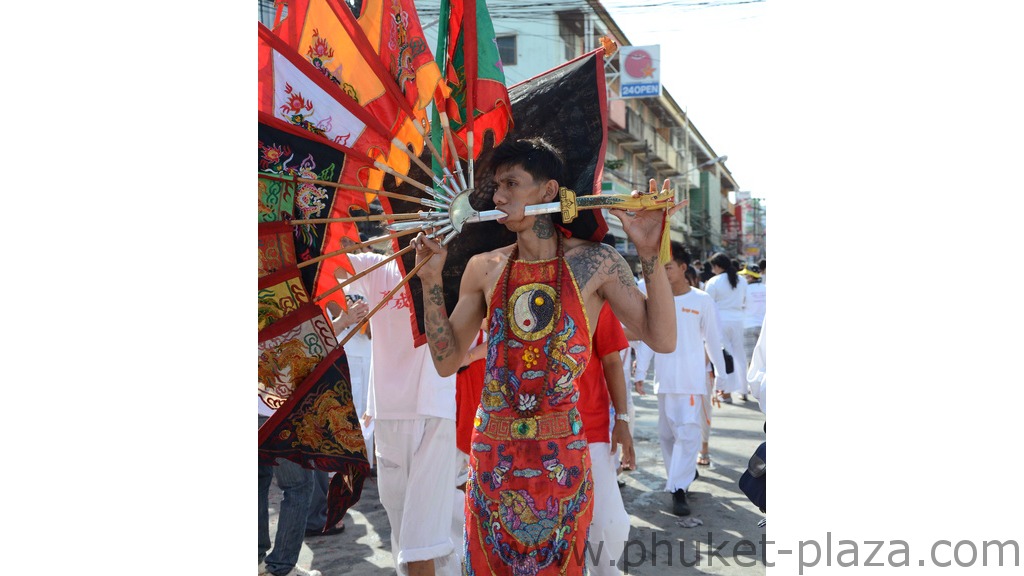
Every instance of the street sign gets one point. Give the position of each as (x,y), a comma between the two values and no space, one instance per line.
(640,69)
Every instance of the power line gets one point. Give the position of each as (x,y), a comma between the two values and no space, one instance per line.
(534,9)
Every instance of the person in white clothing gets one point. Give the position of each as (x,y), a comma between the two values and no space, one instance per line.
(413,411)
(359,351)
(729,291)
(757,374)
(357,355)
(704,457)
(679,378)
(753,315)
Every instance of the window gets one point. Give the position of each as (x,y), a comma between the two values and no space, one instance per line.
(507,50)
(267,12)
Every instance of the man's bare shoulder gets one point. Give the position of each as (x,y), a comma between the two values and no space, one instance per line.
(487,264)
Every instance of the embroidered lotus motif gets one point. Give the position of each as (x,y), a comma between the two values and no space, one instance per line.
(527,402)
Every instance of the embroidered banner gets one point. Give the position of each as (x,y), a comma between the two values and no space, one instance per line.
(317,427)
(277,250)
(289,350)
(287,154)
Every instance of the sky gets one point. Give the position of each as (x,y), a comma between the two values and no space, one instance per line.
(710,64)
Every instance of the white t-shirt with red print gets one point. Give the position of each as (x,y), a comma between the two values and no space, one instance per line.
(404,385)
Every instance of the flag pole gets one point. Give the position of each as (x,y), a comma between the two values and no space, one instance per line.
(470,52)
(385,300)
(352,279)
(348,249)
(384,193)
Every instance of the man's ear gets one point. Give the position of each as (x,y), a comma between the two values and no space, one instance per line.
(550,190)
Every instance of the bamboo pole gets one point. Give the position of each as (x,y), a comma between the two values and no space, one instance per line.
(384,193)
(413,156)
(370,218)
(429,143)
(355,277)
(403,177)
(469,159)
(384,301)
(347,249)
(450,139)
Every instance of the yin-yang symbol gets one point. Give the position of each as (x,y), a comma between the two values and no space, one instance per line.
(533,311)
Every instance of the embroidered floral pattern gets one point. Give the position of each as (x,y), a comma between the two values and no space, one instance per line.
(527,402)
(531,356)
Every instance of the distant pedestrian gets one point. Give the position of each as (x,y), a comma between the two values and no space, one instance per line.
(357,353)
(296,483)
(680,378)
(704,457)
(706,273)
(729,291)
(753,315)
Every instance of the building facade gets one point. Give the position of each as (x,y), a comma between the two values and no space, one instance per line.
(648,138)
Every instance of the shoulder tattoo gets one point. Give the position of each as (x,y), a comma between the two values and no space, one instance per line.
(594,259)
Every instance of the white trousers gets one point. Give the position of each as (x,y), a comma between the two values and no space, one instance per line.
(732,339)
(679,418)
(609,528)
(459,505)
(705,420)
(359,373)
(416,465)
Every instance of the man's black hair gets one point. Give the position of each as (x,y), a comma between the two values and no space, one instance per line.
(680,254)
(535,155)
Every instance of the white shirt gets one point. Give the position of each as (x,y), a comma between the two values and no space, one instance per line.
(754,312)
(731,301)
(757,373)
(404,385)
(683,371)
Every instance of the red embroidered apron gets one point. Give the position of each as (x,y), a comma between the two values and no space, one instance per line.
(529,500)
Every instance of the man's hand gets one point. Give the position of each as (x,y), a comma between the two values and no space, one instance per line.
(355,314)
(644,227)
(621,436)
(639,387)
(425,248)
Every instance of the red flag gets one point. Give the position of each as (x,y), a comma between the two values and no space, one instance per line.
(302,104)
(380,64)
(392,28)
(468,55)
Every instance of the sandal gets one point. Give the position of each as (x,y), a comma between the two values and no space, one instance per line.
(337,529)
(703,459)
